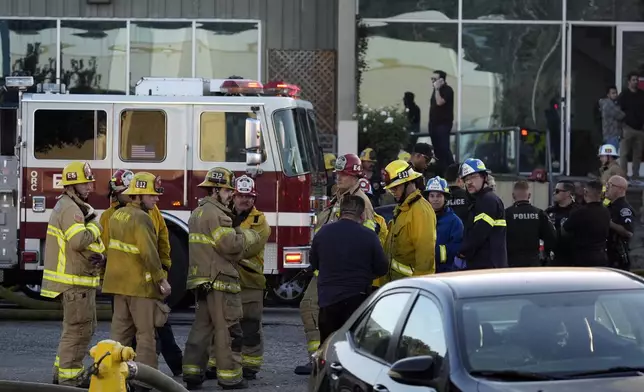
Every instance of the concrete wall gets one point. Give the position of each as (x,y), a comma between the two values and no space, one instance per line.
(287,24)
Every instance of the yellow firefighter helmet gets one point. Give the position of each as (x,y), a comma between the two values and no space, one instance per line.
(144,183)
(399,172)
(368,155)
(219,177)
(77,173)
(329,161)
(404,156)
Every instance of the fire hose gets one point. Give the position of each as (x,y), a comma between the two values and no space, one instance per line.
(113,368)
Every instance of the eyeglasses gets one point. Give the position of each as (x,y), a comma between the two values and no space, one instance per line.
(434,79)
(610,184)
(558,191)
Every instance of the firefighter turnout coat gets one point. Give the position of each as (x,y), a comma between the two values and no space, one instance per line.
(133,264)
(70,242)
(332,213)
(251,267)
(163,241)
(215,245)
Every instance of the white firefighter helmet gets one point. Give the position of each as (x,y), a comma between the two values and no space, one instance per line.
(608,149)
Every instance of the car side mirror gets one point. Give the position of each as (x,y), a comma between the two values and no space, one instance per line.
(253,133)
(418,371)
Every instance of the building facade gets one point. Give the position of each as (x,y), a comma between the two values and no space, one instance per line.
(531,63)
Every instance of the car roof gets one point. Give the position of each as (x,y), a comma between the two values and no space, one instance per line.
(516,281)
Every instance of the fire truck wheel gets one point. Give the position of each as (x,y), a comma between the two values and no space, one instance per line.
(289,290)
(179,271)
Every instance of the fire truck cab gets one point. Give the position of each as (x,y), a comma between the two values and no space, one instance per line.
(177,129)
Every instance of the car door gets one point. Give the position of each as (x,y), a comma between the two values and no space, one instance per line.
(361,357)
(423,334)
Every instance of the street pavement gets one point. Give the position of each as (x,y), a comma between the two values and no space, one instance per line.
(28,349)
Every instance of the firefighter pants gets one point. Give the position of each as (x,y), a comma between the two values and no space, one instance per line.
(134,316)
(79,323)
(218,314)
(251,325)
(309,311)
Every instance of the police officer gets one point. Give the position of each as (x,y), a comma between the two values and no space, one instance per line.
(411,241)
(621,225)
(73,262)
(421,157)
(372,174)
(564,204)
(134,274)
(216,246)
(348,171)
(484,243)
(458,200)
(588,227)
(166,343)
(251,277)
(526,225)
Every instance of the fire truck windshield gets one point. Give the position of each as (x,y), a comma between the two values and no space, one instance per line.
(298,142)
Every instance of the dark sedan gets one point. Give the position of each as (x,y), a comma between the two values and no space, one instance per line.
(514,330)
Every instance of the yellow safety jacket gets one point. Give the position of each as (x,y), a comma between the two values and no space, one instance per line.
(163,242)
(69,243)
(251,266)
(411,240)
(382,235)
(134,267)
(215,247)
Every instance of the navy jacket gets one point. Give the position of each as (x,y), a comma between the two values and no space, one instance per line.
(449,234)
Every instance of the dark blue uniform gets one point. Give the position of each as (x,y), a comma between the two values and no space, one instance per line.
(484,240)
(526,225)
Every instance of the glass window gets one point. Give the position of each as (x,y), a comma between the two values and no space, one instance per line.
(409,9)
(423,333)
(608,10)
(93,56)
(29,48)
(402,57)
(292,143)
(556,334)
(227,49)
(513,10)
(161,49)
(497,149)
(510,75)
(222,136)
(374,332)
(143,135)
(70,134)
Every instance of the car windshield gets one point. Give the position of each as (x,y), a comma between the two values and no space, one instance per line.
(299,147)
(557,333)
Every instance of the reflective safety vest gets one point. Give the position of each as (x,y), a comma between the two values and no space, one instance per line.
(69,244)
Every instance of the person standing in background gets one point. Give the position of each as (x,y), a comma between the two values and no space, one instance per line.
(458,199)
(413,111)
(441,120)
(612,116)
(631,101)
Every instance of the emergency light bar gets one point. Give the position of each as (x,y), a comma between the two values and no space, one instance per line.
(241,86)
(19,81)
(281,89)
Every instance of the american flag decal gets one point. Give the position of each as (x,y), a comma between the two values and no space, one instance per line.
(140,151)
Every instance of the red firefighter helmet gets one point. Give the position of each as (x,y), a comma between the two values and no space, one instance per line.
(349,164)
(120,181)
(245,185)
(538,175)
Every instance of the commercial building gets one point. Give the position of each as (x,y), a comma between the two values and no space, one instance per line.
(530,63)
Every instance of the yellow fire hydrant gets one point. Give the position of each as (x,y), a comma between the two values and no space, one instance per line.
(110,370)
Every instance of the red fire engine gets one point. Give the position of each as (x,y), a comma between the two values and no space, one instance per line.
(175,128)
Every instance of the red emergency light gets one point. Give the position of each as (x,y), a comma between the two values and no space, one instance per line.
(281,89)
(241,86)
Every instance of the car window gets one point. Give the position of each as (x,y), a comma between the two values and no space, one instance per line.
(374,332)
(423,333)
(610,313)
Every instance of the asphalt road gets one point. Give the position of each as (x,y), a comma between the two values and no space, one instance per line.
(29,348)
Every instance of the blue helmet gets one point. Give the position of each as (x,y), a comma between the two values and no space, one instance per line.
(437,184)
(471,166)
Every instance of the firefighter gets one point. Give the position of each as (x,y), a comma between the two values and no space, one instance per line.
(526,225)
(134,274)
(459,200)
(608,156)
(372,174)
(166,343)
(251,277)
(381,224)
(217,243)
(412,236)
(73,263)
(558,213)
(329,165)
(484,240)
(621,226)
(348,170)
(449,228)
